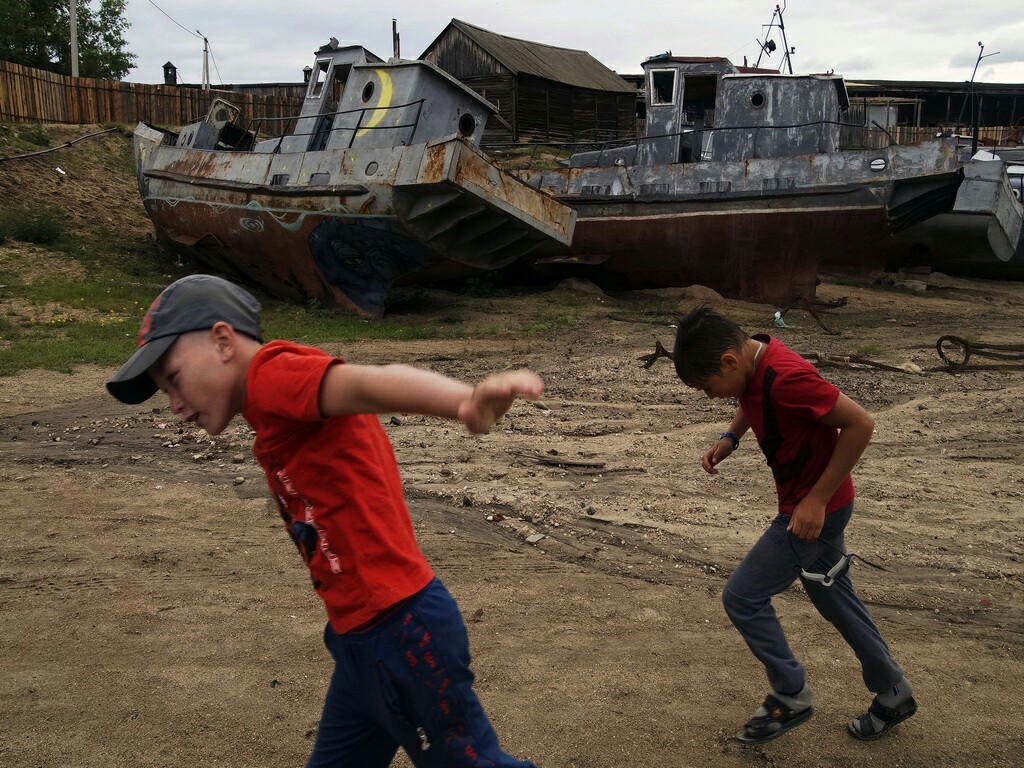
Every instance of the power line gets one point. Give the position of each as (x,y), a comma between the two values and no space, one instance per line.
(210,47)
(175,21)
(195,33)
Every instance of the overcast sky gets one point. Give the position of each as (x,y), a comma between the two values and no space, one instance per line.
(263,41)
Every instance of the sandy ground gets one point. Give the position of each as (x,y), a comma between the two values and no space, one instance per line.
(154,612)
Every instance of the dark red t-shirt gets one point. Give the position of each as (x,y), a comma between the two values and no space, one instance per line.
(783,405)
(337,487)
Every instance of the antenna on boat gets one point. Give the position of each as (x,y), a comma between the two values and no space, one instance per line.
(971,96)
(768,46)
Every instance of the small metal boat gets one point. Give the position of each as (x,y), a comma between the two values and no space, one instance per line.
(379,179)
(741,184)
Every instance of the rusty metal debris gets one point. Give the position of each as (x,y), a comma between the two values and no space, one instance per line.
(559,461)
(802,302)
(848,361)
(950,347)
(818,358)
(659,351)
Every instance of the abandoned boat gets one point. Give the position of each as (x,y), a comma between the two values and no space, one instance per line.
(954,242)
(740,183)
(379,179)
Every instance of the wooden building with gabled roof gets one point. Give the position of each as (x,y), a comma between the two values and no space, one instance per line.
(542,92)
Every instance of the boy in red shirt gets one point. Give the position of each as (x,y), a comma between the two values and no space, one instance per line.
(812,436)
(401,651)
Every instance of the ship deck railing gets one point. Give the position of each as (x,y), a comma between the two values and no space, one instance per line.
(325,124)
(854,136)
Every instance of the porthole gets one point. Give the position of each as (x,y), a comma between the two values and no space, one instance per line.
(879,164)
(371,168)
(368,91)
(757,100)
(467,124)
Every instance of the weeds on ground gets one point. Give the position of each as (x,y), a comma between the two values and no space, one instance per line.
(62,342)
(33,133)
(869,349)
(44,226)
(644,310)
(317,325)
(485,285)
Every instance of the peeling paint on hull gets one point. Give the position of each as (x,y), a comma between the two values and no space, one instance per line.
(767,255)
(384,215)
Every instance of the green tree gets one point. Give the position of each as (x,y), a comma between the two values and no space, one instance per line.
(37,33)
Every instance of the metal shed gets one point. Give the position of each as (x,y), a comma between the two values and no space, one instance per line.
(542,92)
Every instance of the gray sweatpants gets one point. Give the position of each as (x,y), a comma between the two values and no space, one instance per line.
(771,565)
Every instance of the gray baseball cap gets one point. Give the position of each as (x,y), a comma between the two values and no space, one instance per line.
(193,303)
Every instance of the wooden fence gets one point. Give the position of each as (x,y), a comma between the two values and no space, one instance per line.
(873,138)
(38,96)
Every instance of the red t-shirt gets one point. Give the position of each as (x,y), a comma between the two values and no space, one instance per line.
(337,487)
(783,405)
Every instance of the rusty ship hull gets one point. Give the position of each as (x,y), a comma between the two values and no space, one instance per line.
(753,229)
(747,181)
(438,206)
(379,180)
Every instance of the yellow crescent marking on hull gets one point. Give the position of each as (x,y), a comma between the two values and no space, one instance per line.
(384,101)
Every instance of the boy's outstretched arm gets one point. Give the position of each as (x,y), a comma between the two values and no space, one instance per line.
(855,426)
(348,389)
(722,448)
(493,396)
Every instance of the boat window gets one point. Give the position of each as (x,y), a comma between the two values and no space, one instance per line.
(663,86)
(368,91)
(757,100)
(318,79)
(467,124)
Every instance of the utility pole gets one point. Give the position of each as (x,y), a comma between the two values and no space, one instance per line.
(74,38)
(206,62)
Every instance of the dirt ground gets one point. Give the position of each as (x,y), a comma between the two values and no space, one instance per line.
(155,613)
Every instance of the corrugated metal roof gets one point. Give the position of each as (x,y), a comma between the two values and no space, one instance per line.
(562,65)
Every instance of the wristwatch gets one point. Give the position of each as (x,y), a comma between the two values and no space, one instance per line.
(731,436)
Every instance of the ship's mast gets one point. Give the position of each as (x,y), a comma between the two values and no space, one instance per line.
(769,45)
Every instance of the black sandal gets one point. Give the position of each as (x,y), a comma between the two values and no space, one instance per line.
(780,718)
(890,716)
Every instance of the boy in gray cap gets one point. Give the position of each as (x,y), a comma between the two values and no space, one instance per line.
(401,651)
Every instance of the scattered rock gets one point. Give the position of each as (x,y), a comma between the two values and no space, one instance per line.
(534,538)
(914,286)
(579,285)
